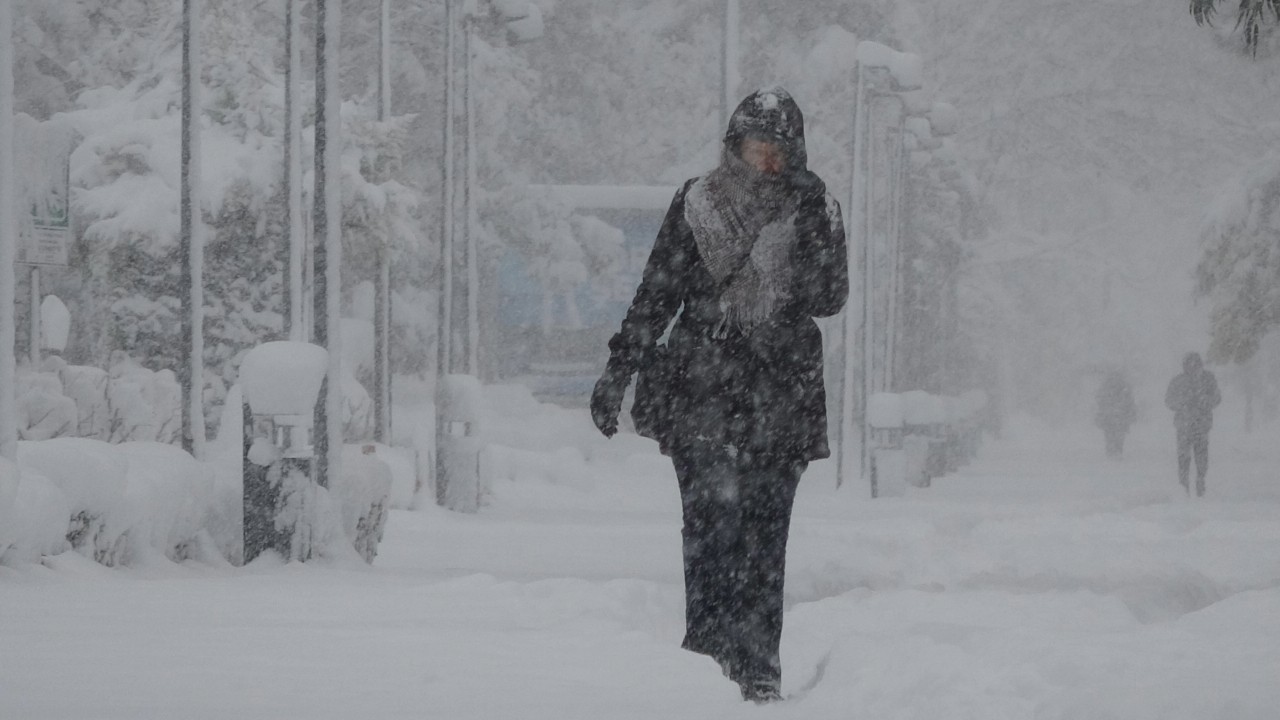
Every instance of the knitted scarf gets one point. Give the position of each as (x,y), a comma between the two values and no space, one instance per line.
(743,223)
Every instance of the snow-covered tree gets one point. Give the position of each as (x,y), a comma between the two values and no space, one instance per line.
(1254,18)
(1240,268)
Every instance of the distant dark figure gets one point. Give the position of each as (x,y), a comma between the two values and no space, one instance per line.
(1192,396)
(748,255)
(1116,412)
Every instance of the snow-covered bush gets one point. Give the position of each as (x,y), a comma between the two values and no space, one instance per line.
(143,405)
(33,515)
(93,476)
(43,411)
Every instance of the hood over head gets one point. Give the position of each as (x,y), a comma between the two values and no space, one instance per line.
(770,115)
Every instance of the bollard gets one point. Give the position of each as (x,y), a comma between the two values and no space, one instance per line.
(458,435)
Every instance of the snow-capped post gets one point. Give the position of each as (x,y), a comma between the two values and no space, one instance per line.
(55,324)
(280,382)
(327,221)
(875,64)
(8,243)
(382,284)
(191,242)
(459,418)
(295,237)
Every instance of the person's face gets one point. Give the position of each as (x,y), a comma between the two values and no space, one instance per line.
(763,155)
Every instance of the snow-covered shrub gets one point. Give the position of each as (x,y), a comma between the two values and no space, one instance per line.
(33,515)
(357,410)
(363,496)
(93,476)
(87,388)
(143,405)
(43,411)
(168,499)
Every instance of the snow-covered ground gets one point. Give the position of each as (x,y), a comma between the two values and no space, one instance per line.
(1042,582)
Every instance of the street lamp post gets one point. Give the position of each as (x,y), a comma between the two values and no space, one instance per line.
(191,241)
(876,63)
(295,328)
(8,242)
(382,284)
(327,221)
(456,394)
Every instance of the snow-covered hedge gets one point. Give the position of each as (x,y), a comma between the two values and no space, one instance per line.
(129,403)
(120,503)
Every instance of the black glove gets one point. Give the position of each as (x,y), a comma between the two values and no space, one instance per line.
(606,398)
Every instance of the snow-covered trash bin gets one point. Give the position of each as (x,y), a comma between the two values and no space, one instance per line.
(458,476)
(923,415)
(915,458)
(280,382)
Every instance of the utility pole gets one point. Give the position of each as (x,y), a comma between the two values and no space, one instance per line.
(327,221)
(295,235)
(8,242)
(191,242)
(444,330)
(382,285)
(472,358)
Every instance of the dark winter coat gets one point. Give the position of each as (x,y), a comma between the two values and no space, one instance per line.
(757,393)
(1192,396)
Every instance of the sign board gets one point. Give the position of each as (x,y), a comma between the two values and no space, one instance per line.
(42,154)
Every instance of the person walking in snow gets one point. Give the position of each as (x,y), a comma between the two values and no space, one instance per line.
(1116,411)
(747,255)
(1192,396)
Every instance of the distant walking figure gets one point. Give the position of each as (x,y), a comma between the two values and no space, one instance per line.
(1116,411)
(1192,396)
(748,255)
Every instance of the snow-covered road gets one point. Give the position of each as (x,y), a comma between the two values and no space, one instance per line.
(1042,582)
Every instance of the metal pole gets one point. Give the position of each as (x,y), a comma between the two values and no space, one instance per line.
(8,242)
(895,238)
(852,329)
(295,327)
(729,79)
(469,203)
(869,338)
(444,324)
(382,285)
(191,242)
(327,214)
(444,331)
(34,350)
